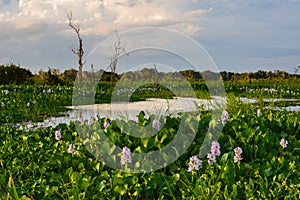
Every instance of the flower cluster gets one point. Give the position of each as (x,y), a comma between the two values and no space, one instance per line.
(136,120)
(214,151)
(71,149)
(90,121)
(224,117)
(49,91)
(258,112)
(237,157)
(194,164)
(57,135)
(156,124)
(126,156)
(106,125)
(283,143)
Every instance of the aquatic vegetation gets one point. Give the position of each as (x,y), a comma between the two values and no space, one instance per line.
(254,157)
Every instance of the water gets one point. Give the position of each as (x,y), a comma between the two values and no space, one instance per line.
(132,109)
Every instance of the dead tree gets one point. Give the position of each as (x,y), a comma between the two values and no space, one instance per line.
(118,50)
(79,51)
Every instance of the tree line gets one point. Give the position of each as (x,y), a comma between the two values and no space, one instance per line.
(14,74)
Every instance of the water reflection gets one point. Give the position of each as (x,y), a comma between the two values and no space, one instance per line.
(151,106)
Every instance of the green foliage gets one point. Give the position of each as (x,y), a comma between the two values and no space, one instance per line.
(40,167)
(12,74)
(32,103)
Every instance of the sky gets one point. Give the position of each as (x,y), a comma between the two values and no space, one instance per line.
(237,35)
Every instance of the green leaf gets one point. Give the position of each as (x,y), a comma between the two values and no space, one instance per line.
(121,189)
(268,171)
(224,157)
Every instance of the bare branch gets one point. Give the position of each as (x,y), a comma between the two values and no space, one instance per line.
(118,49)
(79,51)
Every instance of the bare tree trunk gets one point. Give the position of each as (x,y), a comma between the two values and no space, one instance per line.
(117,51)
(79,51)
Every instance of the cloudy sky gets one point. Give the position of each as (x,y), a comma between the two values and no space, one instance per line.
(239,35)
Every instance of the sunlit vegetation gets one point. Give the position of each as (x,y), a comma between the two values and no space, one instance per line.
(256,155)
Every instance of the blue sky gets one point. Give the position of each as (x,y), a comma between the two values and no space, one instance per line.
(239,35)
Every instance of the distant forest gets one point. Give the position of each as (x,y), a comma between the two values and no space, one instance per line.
(13,74)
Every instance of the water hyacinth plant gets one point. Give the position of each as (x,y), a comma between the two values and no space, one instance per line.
(156,124)
(106,124)
(283,143)
(126,156)
(224,117)
(136,120)
(43,167)
(194,164)
(71,149)
(237,154)
(214,151)
(57,135)
(258,112)
(90,122)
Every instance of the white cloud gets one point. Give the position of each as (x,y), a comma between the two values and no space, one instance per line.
(224,25)
(106,16)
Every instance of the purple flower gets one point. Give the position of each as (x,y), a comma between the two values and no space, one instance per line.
(2,104)
(211,158)
(237,157)
(258,112)
(215,148)
(79,119)
(194,164)
(106,125)
(57,135)
(156,124)
(126,156)
(28,104)
(136,120)
(214,151)
(71,149)
(6,92)
(90,122)
(283,143)
(224,117)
